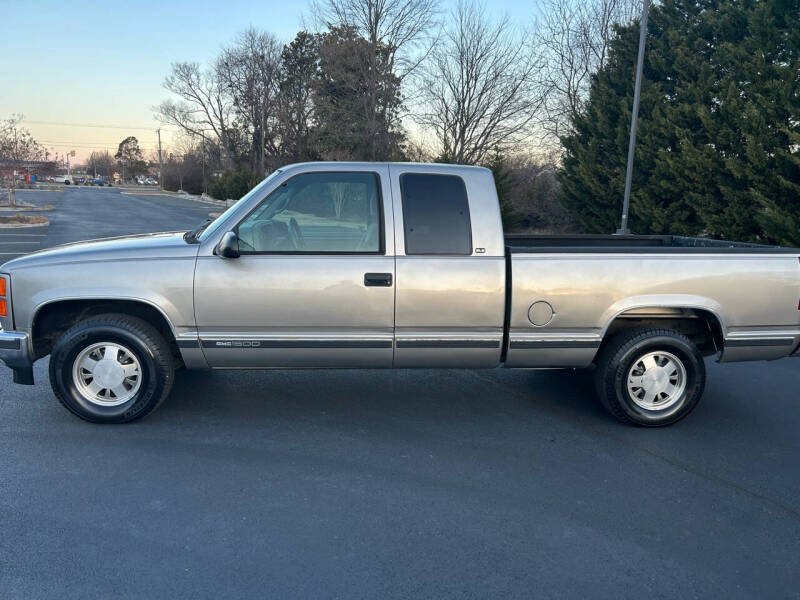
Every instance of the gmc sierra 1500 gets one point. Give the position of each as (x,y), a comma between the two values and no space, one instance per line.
(379,265)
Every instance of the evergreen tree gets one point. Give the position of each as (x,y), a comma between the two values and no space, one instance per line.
(717,148)
(299,63)
(357,117)
(770,120)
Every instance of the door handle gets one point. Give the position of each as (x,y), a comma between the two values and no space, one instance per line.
(378,279)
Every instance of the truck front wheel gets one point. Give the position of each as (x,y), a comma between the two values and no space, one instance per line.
(650,377)
(111,368)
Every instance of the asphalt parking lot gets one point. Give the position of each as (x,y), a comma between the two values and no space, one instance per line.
(379,484)
(85,213)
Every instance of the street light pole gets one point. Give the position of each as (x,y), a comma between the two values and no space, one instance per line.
(623,229)
(12,188)
(160,163)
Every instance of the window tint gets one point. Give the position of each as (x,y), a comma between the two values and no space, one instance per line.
(317,212)
(435,214)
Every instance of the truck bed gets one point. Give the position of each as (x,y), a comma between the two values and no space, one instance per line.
(646,244)
(568,290)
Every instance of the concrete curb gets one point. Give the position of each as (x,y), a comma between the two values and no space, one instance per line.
(36,190)
(23,225)
(205,200)
(167,194)
(214,201)
(26,208)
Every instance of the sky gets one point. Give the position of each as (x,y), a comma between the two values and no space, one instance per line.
(71,67)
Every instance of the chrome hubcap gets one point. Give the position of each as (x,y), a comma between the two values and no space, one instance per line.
(657,381)
(107,374)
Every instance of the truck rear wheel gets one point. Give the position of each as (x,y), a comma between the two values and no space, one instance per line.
(111,368)
(650,377)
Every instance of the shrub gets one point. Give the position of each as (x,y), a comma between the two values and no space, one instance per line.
(231,185)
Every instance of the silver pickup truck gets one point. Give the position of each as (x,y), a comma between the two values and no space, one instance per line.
(376,265)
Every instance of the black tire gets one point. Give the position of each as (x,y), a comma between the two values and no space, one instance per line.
(157,370)
(620,356)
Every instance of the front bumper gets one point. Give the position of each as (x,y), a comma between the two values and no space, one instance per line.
(15,353)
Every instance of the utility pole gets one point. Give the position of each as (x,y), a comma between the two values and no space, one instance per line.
(626,203)
(263,140)
(160,164)
(203,153)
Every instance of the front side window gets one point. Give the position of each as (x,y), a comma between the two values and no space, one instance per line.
(326,213)
(209,230)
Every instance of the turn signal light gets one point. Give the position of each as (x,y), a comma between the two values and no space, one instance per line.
(2,287)
(3,308)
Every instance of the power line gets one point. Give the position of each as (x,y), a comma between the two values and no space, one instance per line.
(94,142)
(81,146)
(95,125)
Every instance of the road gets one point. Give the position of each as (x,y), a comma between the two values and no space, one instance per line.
(407,484)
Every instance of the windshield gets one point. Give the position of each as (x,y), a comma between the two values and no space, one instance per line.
(216,223)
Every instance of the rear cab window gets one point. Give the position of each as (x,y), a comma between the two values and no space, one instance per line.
(435,214)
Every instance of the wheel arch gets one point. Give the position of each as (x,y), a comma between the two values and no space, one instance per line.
(52,318)
(701,323)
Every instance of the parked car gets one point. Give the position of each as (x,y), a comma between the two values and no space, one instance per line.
(150,181)
(80,180)
(376,265)
(65,179)
(97,181)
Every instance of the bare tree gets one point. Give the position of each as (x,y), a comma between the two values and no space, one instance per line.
(532,191)
(417,150)
(478,87)
(101,163)
(401,26)
(572,38)
(180,155)
(204,104)
(249,71)
(18,150)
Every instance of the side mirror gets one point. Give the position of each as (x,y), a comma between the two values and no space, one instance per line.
(228,246)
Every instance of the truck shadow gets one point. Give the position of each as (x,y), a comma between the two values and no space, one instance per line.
(367,396)
(738,401)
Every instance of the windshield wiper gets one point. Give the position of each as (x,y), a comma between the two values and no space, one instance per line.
(190,237)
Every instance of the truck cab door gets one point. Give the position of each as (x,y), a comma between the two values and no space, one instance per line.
(314,283)
(450,296)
